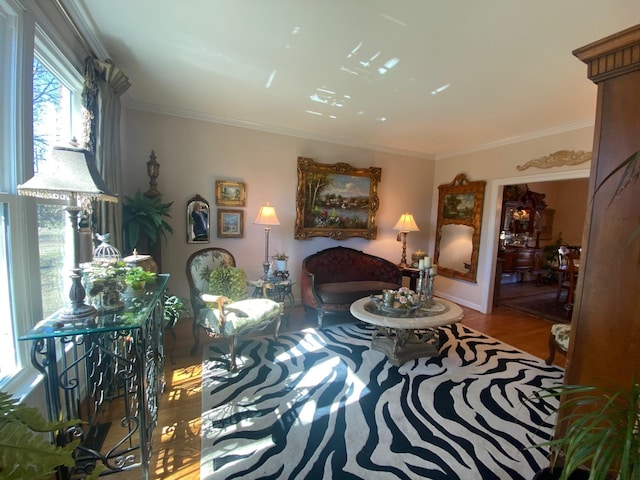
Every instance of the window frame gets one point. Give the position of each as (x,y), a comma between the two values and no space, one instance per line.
(31,34)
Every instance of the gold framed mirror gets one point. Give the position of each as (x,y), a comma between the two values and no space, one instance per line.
(198,222)
(458,231)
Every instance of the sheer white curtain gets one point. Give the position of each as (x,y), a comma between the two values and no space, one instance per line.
(104,85)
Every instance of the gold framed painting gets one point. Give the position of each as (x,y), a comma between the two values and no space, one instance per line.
(336,200)
(230,223)
(230,194)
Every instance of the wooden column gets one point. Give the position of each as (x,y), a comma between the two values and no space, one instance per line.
(605,342)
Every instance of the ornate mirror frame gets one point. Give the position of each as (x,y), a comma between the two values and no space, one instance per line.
(198,220)
(460,203)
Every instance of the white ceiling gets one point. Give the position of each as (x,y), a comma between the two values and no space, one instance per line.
(313,68)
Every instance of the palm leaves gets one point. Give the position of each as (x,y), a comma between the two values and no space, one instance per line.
(602,430)
(631,167)
(145,216)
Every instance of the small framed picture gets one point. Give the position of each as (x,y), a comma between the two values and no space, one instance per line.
(230,194)
(230,223)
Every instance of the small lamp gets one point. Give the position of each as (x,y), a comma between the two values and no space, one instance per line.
(267,217)
(405,225)
(70,173)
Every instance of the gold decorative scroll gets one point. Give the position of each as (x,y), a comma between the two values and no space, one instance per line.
(558,159)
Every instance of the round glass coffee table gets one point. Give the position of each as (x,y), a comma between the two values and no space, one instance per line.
(406,335)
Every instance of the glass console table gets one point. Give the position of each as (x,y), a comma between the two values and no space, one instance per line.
(109,374)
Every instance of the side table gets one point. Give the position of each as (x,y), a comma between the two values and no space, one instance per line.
(413,274)
(277,290)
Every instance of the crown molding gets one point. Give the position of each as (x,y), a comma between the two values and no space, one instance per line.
(175,112)
(521,138)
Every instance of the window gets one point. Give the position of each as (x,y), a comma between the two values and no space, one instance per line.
(52,122)
(39,108)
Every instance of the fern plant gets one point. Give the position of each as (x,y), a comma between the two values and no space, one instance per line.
(24,451)
(145,216)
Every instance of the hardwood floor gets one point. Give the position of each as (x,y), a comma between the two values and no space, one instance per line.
(176,440)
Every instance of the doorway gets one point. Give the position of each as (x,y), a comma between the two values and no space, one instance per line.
(570,210)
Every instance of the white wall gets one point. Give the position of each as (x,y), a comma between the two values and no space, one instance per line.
(498,167)
(194,154)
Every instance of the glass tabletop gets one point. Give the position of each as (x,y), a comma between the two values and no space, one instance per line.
(134,314)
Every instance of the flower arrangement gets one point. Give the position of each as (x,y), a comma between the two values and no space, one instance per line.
(403,298)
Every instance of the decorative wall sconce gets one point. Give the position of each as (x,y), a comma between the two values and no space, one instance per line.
(153,171)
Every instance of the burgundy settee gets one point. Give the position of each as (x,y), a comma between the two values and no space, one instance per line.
(334,278)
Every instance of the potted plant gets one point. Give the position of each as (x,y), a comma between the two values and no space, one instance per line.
(145,217)
(25,452)
(104,282)
(136,279)
(280,260)
(601,432)
(173,308)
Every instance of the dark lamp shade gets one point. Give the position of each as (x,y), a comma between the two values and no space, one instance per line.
(68,172)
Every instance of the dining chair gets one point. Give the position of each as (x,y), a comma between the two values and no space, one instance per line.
(573,262)
(561,271)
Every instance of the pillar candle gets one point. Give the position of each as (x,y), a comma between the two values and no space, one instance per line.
(427,262)
(421,264)
(434,270)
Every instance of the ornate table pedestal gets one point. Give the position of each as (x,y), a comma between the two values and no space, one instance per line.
(403,337)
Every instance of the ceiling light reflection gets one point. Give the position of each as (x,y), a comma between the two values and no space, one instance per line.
(270,79)
(440,89)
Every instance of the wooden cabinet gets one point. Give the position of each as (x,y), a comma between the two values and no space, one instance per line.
(522,212)
(522,260)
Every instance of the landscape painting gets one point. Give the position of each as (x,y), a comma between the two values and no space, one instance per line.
(336,201)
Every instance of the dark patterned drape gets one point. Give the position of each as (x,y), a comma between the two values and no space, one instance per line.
(104,84)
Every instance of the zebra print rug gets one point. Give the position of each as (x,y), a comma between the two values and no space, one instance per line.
(321,404)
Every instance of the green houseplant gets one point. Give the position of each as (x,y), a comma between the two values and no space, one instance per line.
(137,277)
(601,431)
(144,216)
(24,451)
(230,282)
(280,259)
(173,308)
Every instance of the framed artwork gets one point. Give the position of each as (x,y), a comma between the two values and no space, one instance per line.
(459,224)
(230,194)
(230,223)
(336,200)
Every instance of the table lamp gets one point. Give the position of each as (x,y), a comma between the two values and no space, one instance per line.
(70,173)
(267,217)
(405,225)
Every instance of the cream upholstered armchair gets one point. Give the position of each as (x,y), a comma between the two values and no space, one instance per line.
(558,340)
(218,293)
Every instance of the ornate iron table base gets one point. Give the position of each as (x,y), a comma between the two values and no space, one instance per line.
(401,345)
